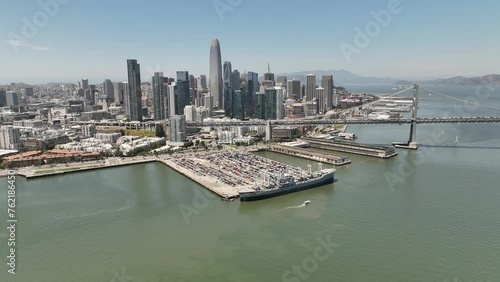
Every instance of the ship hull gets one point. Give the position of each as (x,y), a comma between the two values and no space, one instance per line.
(255,196)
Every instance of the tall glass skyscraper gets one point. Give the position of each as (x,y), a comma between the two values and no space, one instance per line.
(135,93)
(159,96)
(181,92)
(216,85)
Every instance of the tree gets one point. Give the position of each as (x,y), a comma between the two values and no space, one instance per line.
(160,131)
(118,153)
(122,132)
(197,143)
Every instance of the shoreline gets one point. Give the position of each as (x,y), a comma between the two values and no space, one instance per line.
(30,173)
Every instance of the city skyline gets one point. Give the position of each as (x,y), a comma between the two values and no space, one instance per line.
(417,42)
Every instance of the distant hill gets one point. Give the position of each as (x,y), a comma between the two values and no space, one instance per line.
(460,80)
(340,76)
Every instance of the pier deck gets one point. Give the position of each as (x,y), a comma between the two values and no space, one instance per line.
(351,147)
(306,154)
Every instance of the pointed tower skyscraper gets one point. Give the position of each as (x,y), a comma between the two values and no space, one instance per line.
(216,84)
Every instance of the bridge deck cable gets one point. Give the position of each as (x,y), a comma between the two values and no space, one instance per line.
(461,100)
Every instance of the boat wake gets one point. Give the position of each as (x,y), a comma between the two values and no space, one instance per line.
(297,207)
(92,214)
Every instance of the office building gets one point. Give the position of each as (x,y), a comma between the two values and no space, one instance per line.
(119,93)
(182,92)
(281,81)
(202,83)
(190,113)
(238,110)
(134,90)
(235,80)
(85,84)
(208,102)
(320,95)
(310,86)
(252,88)
(108,89)
(327,84)
(269,75)
(260,105)
(274,108)
(266,84)
(216,84)
(293,89)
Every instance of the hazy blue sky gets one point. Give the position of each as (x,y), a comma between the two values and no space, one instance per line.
(93,38)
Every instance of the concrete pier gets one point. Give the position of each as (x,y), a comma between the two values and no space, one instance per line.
(353,148)
(306,154)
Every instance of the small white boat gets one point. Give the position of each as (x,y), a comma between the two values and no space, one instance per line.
(456,140)
(307,203)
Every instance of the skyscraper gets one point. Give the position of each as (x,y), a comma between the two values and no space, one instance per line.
(252,88)
(11,99)
(172,89)
(182,92)
(119,92)
(327,84)
(134,90)
(294,89)
(202,83)
(281,81)
(216,85)
(85,84)
(320,94)
(108,89)
(238,104)
(126,99)
(310,86)
(269,75)
(235,80)
(228,91)
(159,96)
(3,98)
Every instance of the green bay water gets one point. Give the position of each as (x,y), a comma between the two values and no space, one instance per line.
(426,215)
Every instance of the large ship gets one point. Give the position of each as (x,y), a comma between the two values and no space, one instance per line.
(286,184)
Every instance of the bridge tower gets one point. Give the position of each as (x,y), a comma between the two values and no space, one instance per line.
(412,142)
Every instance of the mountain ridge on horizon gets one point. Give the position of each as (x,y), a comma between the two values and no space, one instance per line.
(348,77)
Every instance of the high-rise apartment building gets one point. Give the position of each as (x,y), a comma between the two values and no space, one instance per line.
(134,90)
(159,109)
(182,92)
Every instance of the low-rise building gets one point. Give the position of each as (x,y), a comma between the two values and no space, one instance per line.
(285,133)
(108,137)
